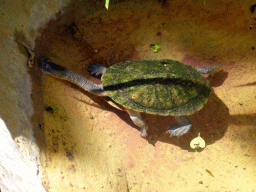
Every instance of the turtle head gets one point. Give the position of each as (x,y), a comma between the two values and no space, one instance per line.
(50,68)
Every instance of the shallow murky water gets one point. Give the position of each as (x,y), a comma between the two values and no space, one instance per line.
(92,146)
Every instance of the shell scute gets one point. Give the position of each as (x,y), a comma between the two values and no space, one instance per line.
(163,87)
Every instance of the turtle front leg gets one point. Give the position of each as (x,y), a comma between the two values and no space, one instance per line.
(209,70)
(96,69)
(137,120)
(183,126)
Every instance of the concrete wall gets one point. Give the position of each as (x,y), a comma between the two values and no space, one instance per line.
(20,21)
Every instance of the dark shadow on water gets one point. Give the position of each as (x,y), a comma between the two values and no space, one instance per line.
(211,122)
(243,119)
(247,84)
(217,79)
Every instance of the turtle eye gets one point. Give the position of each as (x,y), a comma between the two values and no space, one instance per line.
(46,67)
(49,67)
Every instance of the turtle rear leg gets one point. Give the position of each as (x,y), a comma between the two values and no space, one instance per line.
(183,126)
(209,70)
(137,120)
(96,69)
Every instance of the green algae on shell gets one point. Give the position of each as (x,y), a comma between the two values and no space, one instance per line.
(164,87)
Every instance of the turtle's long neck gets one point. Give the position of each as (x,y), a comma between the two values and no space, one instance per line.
(83,82)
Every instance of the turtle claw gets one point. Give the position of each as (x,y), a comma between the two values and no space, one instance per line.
(177,130)
(137,120)
(143,133)
(209,70)
(96,69)
(183,126)
(215,69)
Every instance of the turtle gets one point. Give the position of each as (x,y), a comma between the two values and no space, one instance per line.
(162,87)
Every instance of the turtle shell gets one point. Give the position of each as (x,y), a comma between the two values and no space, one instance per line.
(164,87)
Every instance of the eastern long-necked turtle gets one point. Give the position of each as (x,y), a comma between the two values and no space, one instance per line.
(164,87)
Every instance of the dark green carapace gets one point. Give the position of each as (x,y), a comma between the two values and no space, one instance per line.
(163,87)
